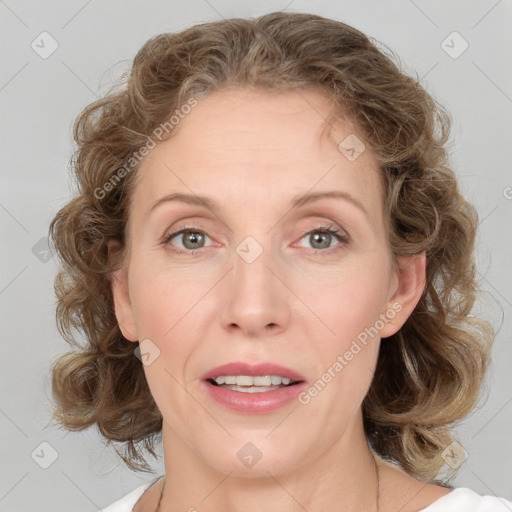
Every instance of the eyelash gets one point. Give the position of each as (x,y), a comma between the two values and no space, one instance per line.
(341,237)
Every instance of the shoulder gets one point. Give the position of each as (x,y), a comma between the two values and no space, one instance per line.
(405,493)
(462,499)
(127,502)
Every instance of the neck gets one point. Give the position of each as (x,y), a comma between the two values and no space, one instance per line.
(347,474)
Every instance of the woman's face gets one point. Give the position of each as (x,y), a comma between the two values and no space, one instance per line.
(258,279)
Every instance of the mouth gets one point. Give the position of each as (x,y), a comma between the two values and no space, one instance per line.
(253,388)
(252,384)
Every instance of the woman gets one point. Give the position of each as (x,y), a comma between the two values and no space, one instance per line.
(268,210)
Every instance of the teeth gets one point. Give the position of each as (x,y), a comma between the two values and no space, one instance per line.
(244,380)
(253,389)
(247,380)
(275,380)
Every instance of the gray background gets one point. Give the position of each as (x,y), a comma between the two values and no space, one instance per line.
(96,42)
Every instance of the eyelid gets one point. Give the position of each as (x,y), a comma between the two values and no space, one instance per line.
(329,228)
(179,231)
(337,233)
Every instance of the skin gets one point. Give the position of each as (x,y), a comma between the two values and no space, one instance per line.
(296,305)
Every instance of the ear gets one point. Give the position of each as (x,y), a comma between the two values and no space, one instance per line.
(406,290)
(121,296)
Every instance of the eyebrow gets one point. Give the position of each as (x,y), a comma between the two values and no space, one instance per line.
(296,202)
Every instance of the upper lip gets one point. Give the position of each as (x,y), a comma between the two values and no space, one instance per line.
(264,368)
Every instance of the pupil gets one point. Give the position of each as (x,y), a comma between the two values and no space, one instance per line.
(193,237)
(326,236)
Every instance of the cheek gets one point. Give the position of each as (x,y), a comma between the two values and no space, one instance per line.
(164,318)
(346,300)
(162,296)
(160,315)
(348,304)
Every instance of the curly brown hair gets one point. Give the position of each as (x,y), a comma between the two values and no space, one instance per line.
(429,374)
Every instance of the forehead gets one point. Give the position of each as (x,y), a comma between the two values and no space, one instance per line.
(243,143)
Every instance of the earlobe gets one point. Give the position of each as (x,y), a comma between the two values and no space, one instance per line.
(122,304)
(409,284)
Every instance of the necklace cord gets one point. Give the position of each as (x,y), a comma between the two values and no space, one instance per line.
(378,481)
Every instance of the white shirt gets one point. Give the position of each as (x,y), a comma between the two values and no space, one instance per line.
(460,499)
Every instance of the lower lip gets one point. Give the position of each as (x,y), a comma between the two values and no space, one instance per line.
(254,403)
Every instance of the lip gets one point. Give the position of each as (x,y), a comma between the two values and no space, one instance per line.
(253,403)
(241,368)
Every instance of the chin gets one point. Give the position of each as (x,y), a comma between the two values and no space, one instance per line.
(254,456)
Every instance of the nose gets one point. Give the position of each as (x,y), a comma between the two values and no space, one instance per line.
(257,299)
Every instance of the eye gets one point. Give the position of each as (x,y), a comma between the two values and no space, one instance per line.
(322,237)
(191,239)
